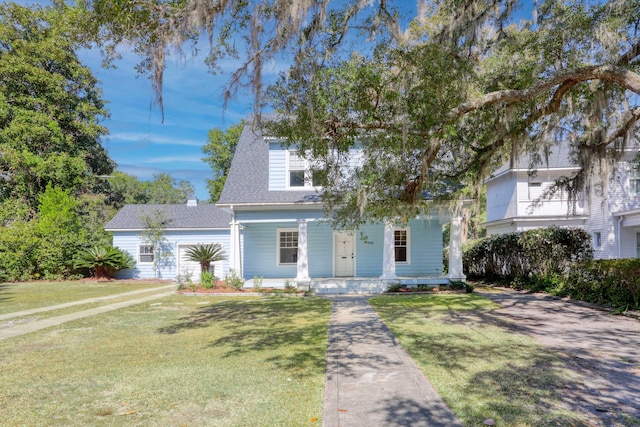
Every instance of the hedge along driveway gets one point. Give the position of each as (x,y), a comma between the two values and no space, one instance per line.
(176,361)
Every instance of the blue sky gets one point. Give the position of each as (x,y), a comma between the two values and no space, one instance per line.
(140,143)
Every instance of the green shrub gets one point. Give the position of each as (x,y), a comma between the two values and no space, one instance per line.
(234,281)
(615,283)
(206,279)
(395,287)
(206,254)
(103,261)
(288,287)
(257,283)
(19,246)
(521,259)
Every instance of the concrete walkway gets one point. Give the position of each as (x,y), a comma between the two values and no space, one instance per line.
(371,381)
(25,328)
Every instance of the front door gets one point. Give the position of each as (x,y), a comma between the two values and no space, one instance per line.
(344,254)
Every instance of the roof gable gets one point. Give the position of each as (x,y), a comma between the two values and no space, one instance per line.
(248,178)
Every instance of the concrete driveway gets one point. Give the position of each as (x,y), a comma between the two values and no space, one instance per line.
(602,350)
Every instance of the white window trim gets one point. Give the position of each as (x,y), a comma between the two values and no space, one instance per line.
(634,174)
(278,231)
(140,245)
(408,230)
(597,245)
(308,173)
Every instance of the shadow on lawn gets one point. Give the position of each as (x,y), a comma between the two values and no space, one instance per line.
(515,394)
(5,294)
(586,364)
(295,326)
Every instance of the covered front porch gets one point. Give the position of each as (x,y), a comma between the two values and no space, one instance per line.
(309,254)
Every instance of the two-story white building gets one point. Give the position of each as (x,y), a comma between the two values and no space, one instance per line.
(516,202)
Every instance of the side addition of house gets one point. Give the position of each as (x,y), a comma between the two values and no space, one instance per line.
(177,228)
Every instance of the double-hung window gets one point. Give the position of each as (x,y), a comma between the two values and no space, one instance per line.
(401,245)
(287,247)
(597,240)
(634,180)
(297,170)
(301,174)
(145,254)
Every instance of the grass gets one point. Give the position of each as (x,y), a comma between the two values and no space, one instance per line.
(24,296)
(480,367)
(205,361)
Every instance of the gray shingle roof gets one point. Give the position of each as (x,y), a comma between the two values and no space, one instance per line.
(202,216)
(248,179)
(559,157)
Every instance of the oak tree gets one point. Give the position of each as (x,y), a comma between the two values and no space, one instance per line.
(436,99)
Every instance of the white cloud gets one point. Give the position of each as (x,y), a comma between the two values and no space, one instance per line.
(154,139)
(174,159)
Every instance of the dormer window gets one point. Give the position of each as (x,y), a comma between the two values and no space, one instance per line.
(296,170)
(301,175)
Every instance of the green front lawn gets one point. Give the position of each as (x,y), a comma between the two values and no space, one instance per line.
(205,361)
(28,295)
(480,366)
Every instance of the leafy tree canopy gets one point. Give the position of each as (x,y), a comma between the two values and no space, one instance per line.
(435,101)
(219,153)
(127,189)
(50,108)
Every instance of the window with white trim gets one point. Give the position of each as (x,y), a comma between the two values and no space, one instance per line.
(401,245)
(145,254)
(597,240)
(301,174)
(634,180)
(296,170)
(287,246)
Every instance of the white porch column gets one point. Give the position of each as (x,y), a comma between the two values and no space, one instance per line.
(235,261)
(302,266)
(388,253)
(455,251)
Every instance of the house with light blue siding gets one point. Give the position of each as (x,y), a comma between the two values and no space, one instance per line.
(182,226)
(279,231)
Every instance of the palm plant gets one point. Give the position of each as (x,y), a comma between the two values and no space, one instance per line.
(206,254)
(104,261)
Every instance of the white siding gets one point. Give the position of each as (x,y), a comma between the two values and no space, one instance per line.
(531,189)
(500,197)
(618,232)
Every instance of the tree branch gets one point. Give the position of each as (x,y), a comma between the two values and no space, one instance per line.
(611,73)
